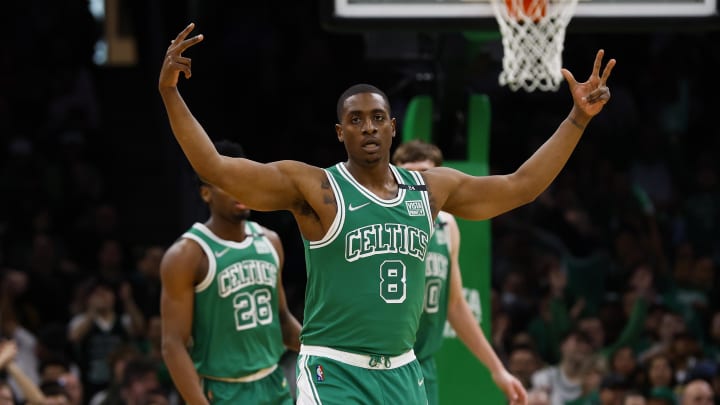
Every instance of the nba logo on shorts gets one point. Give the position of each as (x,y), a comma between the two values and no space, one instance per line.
(319,373)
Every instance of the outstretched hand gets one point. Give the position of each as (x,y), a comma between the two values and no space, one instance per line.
(174,62)
(511,387)
(590,96)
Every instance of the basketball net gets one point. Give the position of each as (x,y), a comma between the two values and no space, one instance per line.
(533,33)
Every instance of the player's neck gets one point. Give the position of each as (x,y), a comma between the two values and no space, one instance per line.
(227,230)
(375,177)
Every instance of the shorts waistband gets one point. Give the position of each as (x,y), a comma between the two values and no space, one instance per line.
(372,362)
(258,375)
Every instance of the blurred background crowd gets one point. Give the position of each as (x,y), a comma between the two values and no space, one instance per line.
(606,279)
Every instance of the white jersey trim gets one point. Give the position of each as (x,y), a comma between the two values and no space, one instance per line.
(235,245)
(369,194)
(307,391)
(258,375)
(359,360)
(205,283)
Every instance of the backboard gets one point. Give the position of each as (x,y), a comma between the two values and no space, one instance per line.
(594,15)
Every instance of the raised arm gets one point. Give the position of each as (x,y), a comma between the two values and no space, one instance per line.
(486,197)
(264,187)
(178,271)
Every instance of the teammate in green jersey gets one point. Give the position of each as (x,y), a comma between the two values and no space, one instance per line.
(225,321)
(365,255)
(443,287)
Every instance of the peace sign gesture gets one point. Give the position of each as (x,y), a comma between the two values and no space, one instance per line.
(174,62)
(590,97)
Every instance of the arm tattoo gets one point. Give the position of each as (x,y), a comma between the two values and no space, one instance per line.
(328,195)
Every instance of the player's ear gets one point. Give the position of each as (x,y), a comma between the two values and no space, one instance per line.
(393,122)
(339,132)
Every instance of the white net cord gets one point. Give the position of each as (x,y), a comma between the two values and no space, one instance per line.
(533,33)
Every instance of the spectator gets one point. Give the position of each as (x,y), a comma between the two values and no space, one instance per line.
(100,329)
(698,392)
(563,381)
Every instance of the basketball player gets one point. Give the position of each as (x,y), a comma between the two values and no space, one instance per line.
(222,295)
(443,288)
(365,225)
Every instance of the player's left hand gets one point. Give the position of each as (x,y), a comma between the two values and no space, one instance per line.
(174,61)
(512,387)
(590,96)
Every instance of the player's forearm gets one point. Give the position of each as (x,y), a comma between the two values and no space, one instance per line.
(191,136)
(468,330)
(545,164)
(290,331)
(183,373)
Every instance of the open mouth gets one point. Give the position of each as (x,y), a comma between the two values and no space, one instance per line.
(371,147)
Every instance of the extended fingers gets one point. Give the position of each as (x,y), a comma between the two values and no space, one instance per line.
(606,72)
(184,33)
(180,43)
(598,63)
(189,42)
(569,77)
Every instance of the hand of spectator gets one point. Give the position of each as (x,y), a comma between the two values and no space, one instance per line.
(8,351)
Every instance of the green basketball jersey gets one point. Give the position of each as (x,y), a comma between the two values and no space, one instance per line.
(366,276)
(236,330)
(437,275)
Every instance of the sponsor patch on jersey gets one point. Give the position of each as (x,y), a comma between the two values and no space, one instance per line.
(261,247)
(319,373)
(415,208)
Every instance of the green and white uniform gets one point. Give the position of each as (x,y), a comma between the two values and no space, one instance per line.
(432,321)
(364,295)
(236,336)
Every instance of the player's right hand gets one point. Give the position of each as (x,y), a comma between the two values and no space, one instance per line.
(174,62)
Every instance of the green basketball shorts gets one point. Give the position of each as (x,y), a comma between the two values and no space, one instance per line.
(328,376)
(429,370)
(270,390)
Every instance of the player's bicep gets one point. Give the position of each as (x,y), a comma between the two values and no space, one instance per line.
(266,186)
(482,197)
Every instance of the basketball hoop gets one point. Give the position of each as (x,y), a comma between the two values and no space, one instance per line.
(533,33)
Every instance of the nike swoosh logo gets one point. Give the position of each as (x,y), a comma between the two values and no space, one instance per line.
(421,381)
(222,252)
(351,208)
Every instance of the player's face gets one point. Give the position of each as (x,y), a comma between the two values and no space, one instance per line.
(366,128)
(224,205)
(418,166)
